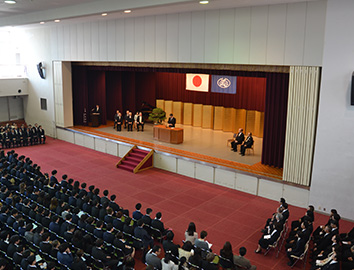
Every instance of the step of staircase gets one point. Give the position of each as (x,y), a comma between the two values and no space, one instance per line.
(130,162)
(133,159)
(126,167)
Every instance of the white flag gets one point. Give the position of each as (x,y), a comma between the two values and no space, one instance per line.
(197,82)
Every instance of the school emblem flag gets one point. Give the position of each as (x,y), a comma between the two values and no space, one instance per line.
(223,84)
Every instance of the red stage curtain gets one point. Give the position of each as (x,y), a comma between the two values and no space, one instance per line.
(275,119)
(97,91)
(113,93)
(80,97)
(250,92)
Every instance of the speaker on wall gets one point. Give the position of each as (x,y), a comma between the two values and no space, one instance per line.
(41,70)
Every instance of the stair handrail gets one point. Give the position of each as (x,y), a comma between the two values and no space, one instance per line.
(141,163)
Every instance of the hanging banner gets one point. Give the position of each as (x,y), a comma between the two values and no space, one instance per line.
(223,84)
(197,82)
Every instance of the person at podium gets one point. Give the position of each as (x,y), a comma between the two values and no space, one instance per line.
(97,111)
(171,121)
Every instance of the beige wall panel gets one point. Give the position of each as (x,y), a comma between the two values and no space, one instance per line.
(197,115)
(160,103)
(250,121)
(177,111)
(261,125)
(218,117)
(229,119)
(257,124)
(187,113)
(168,107)
(208,116)
(240,121)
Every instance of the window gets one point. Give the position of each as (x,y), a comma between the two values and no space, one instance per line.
(43,104)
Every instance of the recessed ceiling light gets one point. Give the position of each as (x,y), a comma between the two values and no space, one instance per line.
(104,14)
(56,21)
(127,11)
(10,1)
(204,2)
(42,23)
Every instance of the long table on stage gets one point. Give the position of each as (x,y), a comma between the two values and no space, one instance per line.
(169,135)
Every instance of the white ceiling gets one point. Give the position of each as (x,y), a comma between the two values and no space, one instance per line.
(26,12)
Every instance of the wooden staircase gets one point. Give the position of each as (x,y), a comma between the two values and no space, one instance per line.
(136,160)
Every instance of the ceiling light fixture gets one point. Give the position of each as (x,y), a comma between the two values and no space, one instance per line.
(56,21)
(42,23)
(10,1)
(204,2)
(104,14)
(127,11)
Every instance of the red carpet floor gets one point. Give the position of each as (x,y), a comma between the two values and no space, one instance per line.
(227,215)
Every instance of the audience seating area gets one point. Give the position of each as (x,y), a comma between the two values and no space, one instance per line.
(65,225)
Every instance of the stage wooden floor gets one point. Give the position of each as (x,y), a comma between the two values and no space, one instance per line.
(200,144)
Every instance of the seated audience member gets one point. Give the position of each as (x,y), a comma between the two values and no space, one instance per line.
(320,244)
(141,233)
(191,234)
(348,259)
(238,139)
(79,263)
(328,263)
(146,218)
(32,263)
(196,259)
(137,214)
(297,248)
(320,229)
(140,122)
(270,237)
(41,135)
(121,243)
(128,227)
(151,258)
(186,250)
(158,224)
(168,263)
(129,263)
(99,254)
(202,243)
(64,255)
(241,261)
(247,144)
(226,256)
(208,264)
(169,246)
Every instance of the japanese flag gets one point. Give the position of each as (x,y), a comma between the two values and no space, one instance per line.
(197,82)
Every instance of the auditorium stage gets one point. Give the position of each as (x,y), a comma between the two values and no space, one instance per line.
(200,144)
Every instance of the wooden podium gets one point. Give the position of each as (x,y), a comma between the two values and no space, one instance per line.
(95,119)
(169,135)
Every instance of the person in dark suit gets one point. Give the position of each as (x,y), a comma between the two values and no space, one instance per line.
(158,224)
(41,135)
(118,120)
(78,263)
(140,122)
(171,121)
(45,245)
(141,233)
(146,218)
(169,246)
(98,253)
(269,238)
(64,255)
(115,119)
(130,121)
(297,250)
(137,214)
(247,143)
(108,235)
(126,118)
(238,139)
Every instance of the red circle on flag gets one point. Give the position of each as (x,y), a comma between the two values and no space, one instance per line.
(197,81)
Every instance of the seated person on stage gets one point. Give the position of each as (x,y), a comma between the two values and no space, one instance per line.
(242,261)
(126,118)
(171,121)
(270,237)
(136,115)
(246,144)
(119,122)
(238,139)
(140,122)
(115,119)
(130,121)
